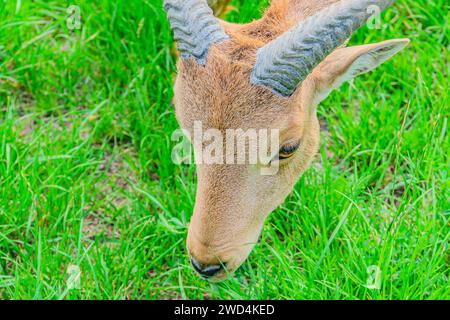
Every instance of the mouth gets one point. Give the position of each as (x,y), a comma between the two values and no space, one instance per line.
(219,263)
(212,272)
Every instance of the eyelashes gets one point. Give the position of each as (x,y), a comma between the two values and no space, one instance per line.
(288,149)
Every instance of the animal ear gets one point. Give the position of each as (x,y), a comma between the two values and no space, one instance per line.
(346,63)
(282,64)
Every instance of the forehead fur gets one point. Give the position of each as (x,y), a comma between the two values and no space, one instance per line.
(220,93)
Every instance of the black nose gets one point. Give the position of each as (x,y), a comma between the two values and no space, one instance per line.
(206,271)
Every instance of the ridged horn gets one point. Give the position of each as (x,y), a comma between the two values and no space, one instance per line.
(284,63)
(195,27)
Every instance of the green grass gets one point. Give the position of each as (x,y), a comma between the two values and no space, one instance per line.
(86,178)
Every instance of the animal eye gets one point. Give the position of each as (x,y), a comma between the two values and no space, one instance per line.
(288,150)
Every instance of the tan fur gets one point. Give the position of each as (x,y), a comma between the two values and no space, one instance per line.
(232,201)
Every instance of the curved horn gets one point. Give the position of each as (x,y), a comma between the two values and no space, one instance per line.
(195,27)
(286,61)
